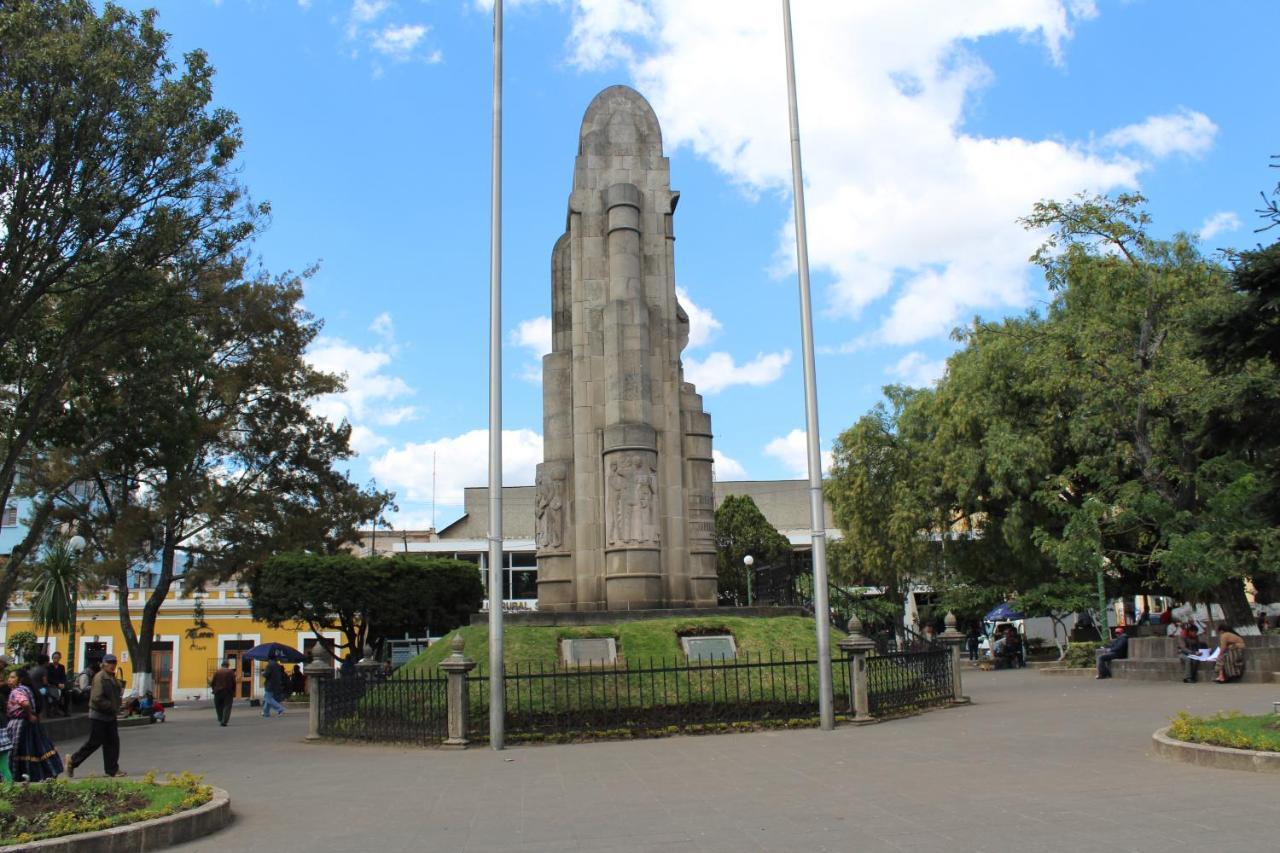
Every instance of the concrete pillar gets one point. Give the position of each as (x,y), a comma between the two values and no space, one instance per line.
(955,641)
(319,670)
(457,665)
(367,667)
(856,646)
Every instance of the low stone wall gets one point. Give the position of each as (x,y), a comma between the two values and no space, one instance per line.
(63,729)
(1156,659)
(1207,755)
(142,836)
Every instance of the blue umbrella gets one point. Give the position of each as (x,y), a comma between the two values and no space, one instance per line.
(275,651)
(1003,612)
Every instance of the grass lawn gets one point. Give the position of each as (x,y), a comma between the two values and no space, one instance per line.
(47,810)
(1231,729)
(638,642)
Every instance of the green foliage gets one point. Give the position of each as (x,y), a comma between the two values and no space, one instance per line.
(32,812)
(742,530)
(366,598)
(1090,438)
(118,175)
(22,645)
(55,586)
(1080,656)
(1231,729)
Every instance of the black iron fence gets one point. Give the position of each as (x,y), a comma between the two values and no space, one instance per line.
(905,681)
(656,697)
(409,709)
(636,699)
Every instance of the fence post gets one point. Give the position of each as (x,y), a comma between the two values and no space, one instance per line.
(318,671)
(367,667)
(457,665)
(855,648)
(955,640)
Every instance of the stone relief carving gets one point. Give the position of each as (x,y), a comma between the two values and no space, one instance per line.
(633,500)
(548,510)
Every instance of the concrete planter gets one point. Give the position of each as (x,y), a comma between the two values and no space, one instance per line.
(1207,755)
(144,835)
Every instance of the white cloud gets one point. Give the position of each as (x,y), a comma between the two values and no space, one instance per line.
(365,441)
(398,42)
(369,387)
(727,468)
(792,451)
(1223,222)
(364,11)
(383,327)
(905,205)
(718,371)
(534,334)
(460,461)
(703,325)
(1183,132)
(917,370)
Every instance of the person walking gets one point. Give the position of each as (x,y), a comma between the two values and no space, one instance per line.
(274,683)
(105,696)
(32,757)
(223,685)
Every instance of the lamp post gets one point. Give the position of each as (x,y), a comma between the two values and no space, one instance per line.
(749,561)
(76,546)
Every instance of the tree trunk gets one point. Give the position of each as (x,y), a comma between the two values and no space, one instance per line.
(143,678)
(1267,586)
(1236,611)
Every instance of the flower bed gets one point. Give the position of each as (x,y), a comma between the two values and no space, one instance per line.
(32,812)
(1231,729)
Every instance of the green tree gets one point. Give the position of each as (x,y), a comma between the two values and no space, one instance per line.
(880,493)
(365,598)
(55,590)
(116,174)
(742,530)
(215,459)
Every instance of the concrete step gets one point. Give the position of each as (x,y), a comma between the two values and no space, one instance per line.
(1070,671)
(1171,670)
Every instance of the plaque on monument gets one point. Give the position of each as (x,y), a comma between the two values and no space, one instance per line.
(593,650)
(710,647)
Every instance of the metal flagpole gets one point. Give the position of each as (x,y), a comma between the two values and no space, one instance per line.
(497,695)
(817,511)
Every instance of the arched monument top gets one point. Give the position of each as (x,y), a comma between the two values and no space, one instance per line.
(606,120)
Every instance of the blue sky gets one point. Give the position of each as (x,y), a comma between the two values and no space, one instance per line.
(928,129)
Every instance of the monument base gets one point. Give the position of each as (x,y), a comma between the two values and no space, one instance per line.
(552,619)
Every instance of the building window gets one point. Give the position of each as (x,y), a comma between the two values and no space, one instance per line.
(10,516)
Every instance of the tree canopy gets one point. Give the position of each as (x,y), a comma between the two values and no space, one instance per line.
(366,598)
(1088,438)
(741,530)
(117,175)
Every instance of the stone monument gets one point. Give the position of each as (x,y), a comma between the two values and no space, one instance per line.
(624,506)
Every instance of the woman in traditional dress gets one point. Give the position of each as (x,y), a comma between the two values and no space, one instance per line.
(1230,665)
(6,740)
(33,757)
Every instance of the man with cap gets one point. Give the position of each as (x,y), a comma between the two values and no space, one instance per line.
(105,696)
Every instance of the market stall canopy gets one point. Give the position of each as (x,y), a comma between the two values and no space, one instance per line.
(1003,613)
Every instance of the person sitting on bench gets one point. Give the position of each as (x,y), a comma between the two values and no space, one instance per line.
(1117,650)
(1008,649)
(1230,665)
(1188,644)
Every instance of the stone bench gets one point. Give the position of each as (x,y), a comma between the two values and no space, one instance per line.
(1156,659)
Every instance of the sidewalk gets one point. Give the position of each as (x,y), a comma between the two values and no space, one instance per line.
(1038,764)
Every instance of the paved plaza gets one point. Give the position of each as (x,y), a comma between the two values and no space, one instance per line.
(1038,763)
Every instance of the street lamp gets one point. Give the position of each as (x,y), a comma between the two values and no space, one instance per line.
(749,561)
(75,545)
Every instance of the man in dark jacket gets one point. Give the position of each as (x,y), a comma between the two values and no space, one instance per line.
(274,688)
(1117,650)
(223,685)
(104,706)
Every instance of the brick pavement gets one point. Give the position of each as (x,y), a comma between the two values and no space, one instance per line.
(1037,764)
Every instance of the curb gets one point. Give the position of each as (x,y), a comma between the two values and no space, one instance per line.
(143,835)
(1207,755)
(1071,671)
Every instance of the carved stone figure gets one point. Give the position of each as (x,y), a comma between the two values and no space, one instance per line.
(624,499)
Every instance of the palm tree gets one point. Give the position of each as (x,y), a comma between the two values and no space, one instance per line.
(55,588)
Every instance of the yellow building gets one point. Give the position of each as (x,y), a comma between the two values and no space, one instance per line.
(193,632)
